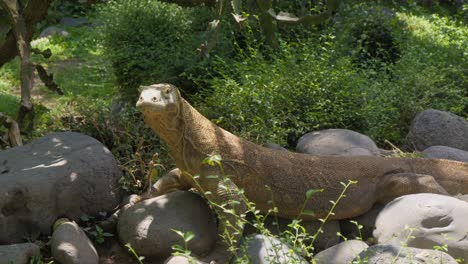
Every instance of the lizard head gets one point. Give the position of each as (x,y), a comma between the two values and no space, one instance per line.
(158,98)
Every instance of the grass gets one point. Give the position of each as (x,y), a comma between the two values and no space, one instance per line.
(80,71)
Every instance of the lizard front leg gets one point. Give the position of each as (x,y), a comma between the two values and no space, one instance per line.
(229,203)
(394,185)
(169,182)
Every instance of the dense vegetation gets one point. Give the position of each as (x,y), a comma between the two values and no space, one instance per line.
(369,68)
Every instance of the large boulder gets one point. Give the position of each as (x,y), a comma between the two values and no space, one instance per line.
(70,245)
(343,253)
(380,254)
(337,142)
(262,249)
(438,128)
(443,152)
(61,174)
(423,221)
(19,253)
(148,225)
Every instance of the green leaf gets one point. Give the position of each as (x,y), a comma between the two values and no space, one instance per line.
(180,233)
(212,160)
(311,192)
(189,236)
(308,212)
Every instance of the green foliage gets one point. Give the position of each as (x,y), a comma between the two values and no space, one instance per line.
(99,234)
(431,73)
(180,250)
(151,41)
(372,72)
(134,253)
(279,97)
(127,137)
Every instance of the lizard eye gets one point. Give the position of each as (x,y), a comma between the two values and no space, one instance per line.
(154,99)
(166,92)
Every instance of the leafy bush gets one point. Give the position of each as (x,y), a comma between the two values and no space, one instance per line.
(149,41)
(430,72)
(406,63)
(374,43)
(128,138)
(280,97)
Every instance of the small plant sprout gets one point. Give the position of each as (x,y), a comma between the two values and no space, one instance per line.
(100,235)
(359,228)
(334,204)
(137,257)
(183,250)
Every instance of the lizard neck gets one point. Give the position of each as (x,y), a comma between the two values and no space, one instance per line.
(169,127)
(199,133)
(186,132)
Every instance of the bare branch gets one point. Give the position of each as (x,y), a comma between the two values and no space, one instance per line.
(48,79)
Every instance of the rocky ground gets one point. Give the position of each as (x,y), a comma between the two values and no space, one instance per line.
(56,182)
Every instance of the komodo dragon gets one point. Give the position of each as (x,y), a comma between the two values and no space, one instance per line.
(191,138)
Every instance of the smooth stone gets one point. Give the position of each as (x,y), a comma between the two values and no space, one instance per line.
(61,174)
(262,249)
(148,225)
(380,254)
(438,128)
(343,253)
(425,220)
(70,245)
(18,253)
(337,142)
(443,152)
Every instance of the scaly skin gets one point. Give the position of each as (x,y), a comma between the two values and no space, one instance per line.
(191,138)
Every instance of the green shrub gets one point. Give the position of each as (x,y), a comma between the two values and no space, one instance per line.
(124,132)
(374,84)
(280,97)
(149,41)
(431,73)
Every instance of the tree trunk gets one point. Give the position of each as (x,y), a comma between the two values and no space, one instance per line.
(34,12)
(13,137)
(20,31)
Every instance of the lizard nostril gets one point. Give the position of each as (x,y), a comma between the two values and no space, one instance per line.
(140,99)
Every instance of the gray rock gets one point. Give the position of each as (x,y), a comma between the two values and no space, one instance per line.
(182,260)
(367,221)
(274,146)
(52,31)
(438,128)
(324,240)
(342,253)
(261,249)
(463,197)
(18,253)
(148,225)
(380,254)
(61,174)
(430,219)
(70,245)
(337,142)
(443,152)
(74,22)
